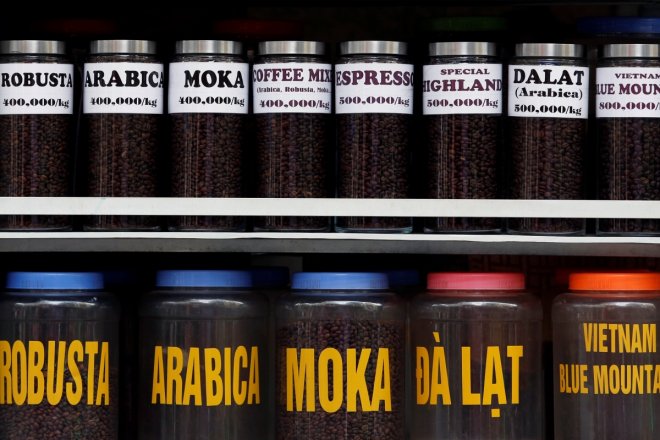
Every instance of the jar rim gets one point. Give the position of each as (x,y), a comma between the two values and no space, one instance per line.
(462,48)
(373,47)
(550,50)
(291,47)
(138,47)
(631,50)
(212,47)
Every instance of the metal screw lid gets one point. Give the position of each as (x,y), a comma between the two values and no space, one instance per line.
(42,47)
(373,47)
(139,47)
(559,50)
(220,47)
(631,51)
(460,48)
(291,48)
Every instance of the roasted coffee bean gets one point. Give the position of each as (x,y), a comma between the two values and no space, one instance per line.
(373,164)
(34,152)
(207,161)
(547,164)
(292,161)
(629,169)
(461,163)
(342,335)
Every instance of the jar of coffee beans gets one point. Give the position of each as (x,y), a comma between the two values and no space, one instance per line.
(548,110)
(59,357)
(628,116)
(122,106)
(462,104)
(292,102)
(374,106)
(36,116)
(208,103)
(340,358)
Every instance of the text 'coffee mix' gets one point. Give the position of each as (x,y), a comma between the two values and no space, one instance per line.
(208,106)
(340,358)
(606,364)
(476,365)
(59,365)
(36,116)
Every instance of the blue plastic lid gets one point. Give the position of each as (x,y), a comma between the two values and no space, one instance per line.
(619,25)
(270,277)
(339,281)
(55,280)
(403,278)
(204,278)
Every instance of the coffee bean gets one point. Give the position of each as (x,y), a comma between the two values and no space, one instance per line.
(461,163)
(373,164)
(292,161)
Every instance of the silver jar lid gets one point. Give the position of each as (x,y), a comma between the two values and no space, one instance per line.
(462,48)
(373,47)
(550,50)
(42,47)
(219,47)
(291,48)
(139,47)
(631,51)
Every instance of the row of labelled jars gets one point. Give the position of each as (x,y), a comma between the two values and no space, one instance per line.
(292,100)
(474,363)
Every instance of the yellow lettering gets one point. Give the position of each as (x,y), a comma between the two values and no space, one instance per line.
(193,384)
(240,386)
(515,352)
(423,379)
(626,379)
(602,338)
(174,380)
(624,342)
(103,387)
(300,378)
(636,345)
(587,328)
(91,348)
(5,376)
(382,390)
(55,372)
(562,381)
(158,394)
(494,386)
(439,378)
(469,398)
(656,380)
(356,383)
(19,378)
(331,355)
(638,380)
(649,338)
(74,389)
(254,395)
(583,380)
(212,368)
(601,385)
(227,355)
(36,359)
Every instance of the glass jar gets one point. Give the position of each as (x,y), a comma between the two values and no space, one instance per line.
(208,104)
(476,351)
(374,106)
(606,364)
(207,332)
(36,116)
(59,364)
(462,104)
(548,110)
(292,103)
(340,358)
(122,105)
(628,116)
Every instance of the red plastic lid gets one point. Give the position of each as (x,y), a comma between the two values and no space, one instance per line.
(614,281)
(476,281)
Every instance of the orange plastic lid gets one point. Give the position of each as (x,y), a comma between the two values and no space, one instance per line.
(614,281)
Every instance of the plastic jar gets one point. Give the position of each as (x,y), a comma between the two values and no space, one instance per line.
(462,105)
(203,357)
(548,109)
(59,364)
(292,103)
(606,363)
(36,115)
(340,358)
(477,367)
(628,118)
(208,103)
(374,106)
(122,106)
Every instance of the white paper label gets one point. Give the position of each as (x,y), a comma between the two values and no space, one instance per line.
(36,89)
(208,87)
(628,92)
(292,88)
(123,88)
(549,92)
(374,88)
(452,89)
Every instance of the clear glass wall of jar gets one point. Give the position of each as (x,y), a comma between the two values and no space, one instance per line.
(36,121)
(374,106)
